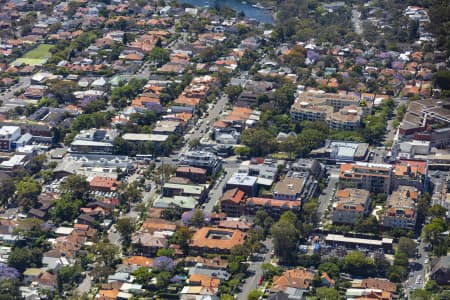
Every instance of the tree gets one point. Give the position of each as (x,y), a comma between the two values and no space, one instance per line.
(27,191)
(7,189)
(233,92)
(142,275)
(20,258)
(163,263)
(66,209)
(76,186)
(31,229)
(159,56)
(421,295)
(407,246)
(432,230)
(356,263)
(367,224)
(242,151)
(254,295)
(330,268)
(125,226)
(9,290)
(442,79)
(198,218)
(327,293)
(37,163)
(62,91)
(182,236)
(259,141)
(131,194)
(165,252)
(107,253)
(437,211)
(285,236)
(432,286)
(67,276)
(163,280)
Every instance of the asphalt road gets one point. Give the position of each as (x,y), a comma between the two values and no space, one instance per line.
(8,97)
(251,282)
(230,167)
(419,271)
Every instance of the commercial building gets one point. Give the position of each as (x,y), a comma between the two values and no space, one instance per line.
(384,244)
(8,134)
(401,208)
(96,141)
(350,205)
(197,191)
(375,178)
(348,151)
(245,183)
(428,120)
(192,173)
(202,159)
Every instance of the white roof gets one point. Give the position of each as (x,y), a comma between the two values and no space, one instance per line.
(64,230)
(90,143)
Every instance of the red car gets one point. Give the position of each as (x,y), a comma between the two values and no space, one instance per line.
(261,280)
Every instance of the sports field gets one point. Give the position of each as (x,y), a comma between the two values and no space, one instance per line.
(36,56)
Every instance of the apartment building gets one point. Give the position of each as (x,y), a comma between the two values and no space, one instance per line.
(410,173)
(289,189)
(428,120)
(347,118)
(273,207)
(375,178)
(305,111)
(350,205)
(401,208)
(340,112)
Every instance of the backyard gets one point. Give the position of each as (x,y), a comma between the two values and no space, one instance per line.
(36,56)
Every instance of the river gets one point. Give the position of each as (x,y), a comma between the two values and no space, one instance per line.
(260,15)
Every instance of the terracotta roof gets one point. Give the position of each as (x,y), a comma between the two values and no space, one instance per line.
(296,278)
(188,169)
(108,294)
(204,280)
(154,224)
(235,195)
(377,283)
(267,202)
(217,238)
(214,263)
(141,261)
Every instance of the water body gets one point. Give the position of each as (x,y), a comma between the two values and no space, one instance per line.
(260,15)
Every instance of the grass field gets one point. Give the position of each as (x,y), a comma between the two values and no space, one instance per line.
(38,55)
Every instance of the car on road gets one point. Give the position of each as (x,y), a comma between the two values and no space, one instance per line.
(261,279)
(147,187)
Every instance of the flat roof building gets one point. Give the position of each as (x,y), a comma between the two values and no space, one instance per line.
(244,182)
